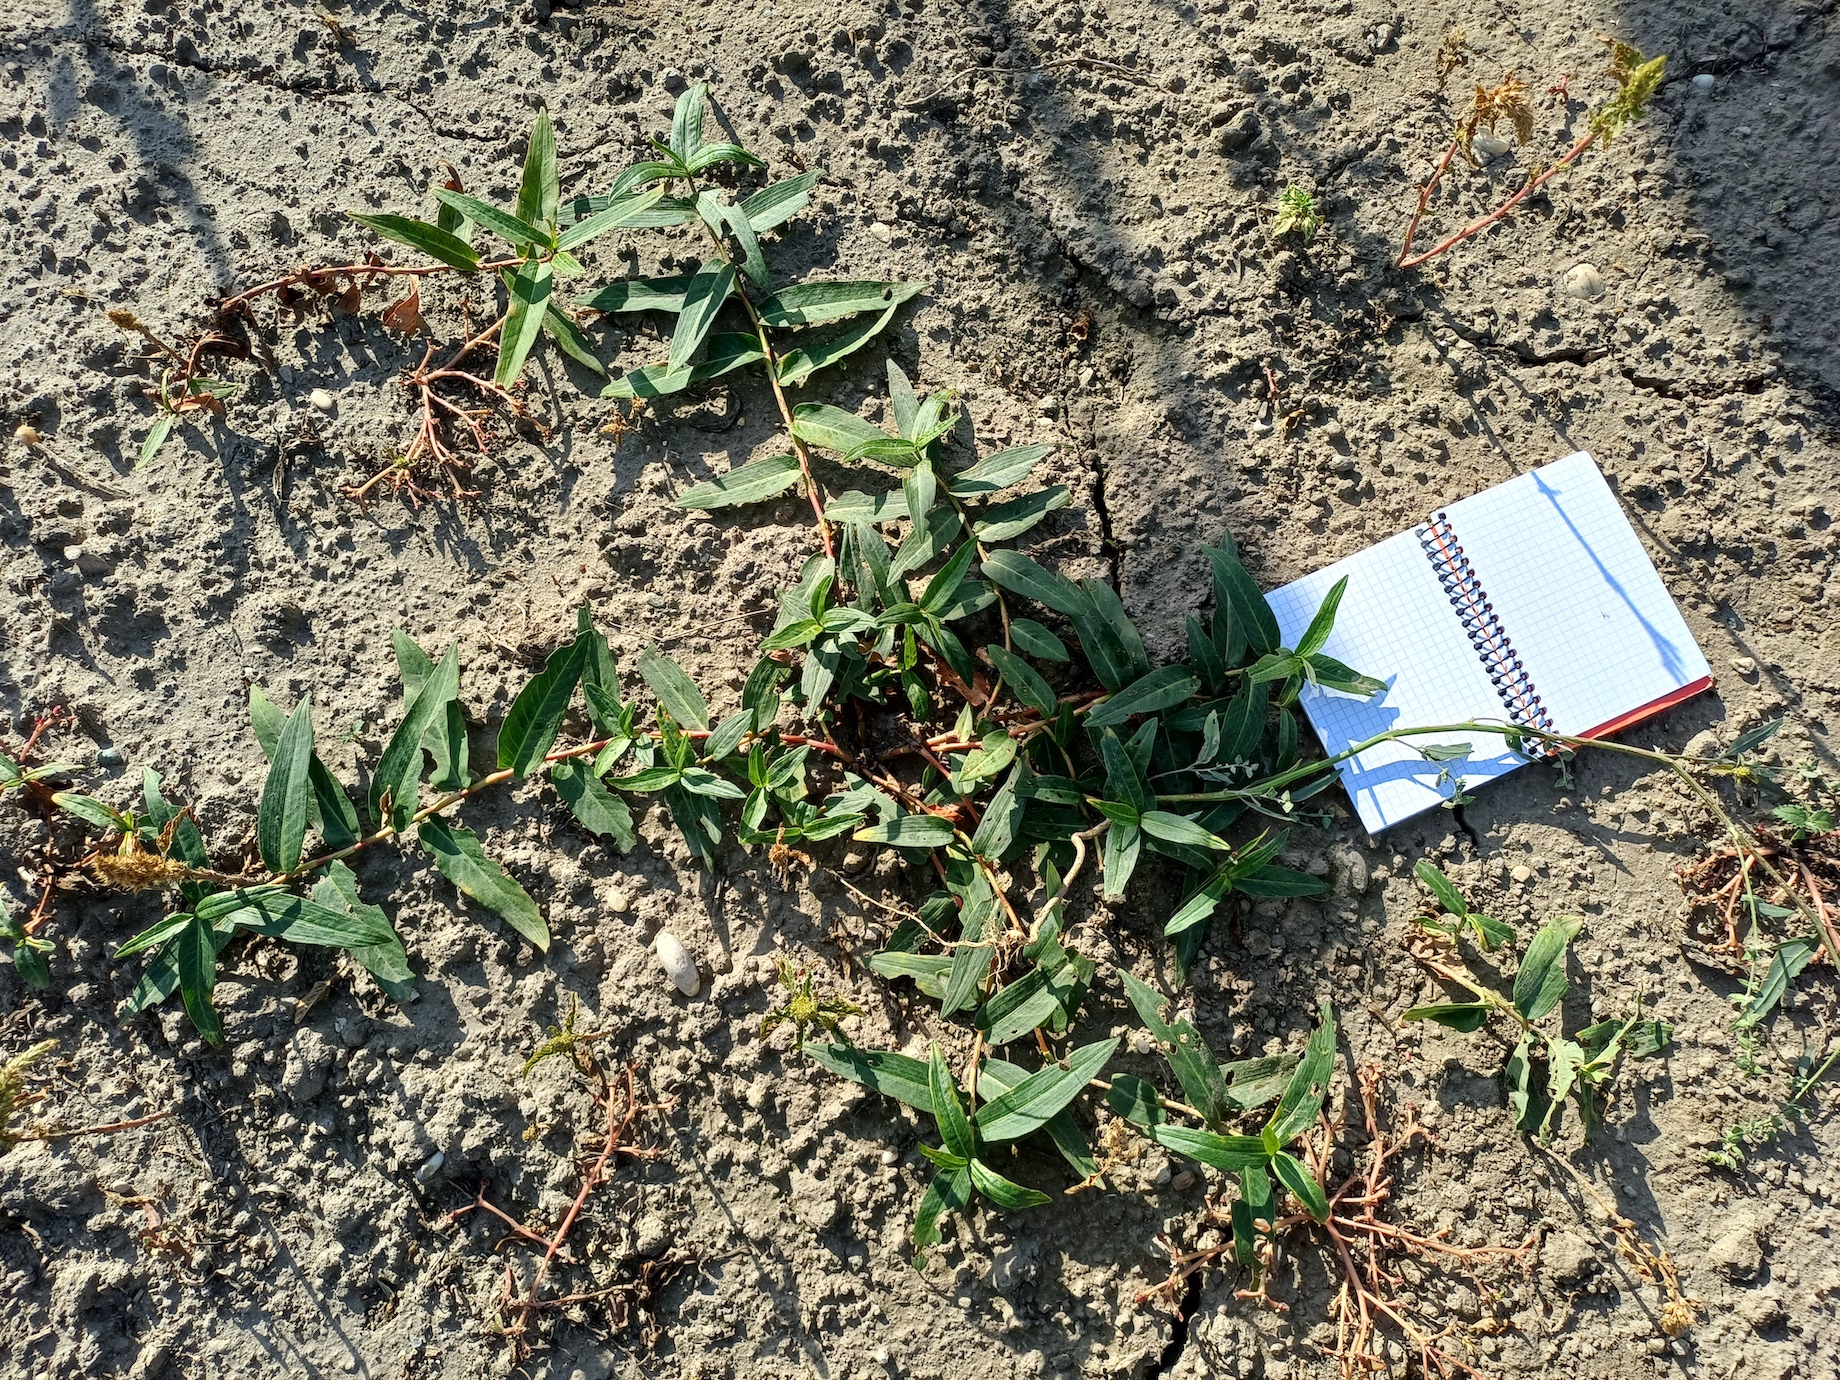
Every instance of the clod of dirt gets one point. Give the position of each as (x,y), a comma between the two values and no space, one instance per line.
(1738,1254)
(1584,281)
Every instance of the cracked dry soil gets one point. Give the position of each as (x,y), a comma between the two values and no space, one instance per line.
(1086,187)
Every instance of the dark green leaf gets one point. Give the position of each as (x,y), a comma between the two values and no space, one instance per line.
(385,961)
(750,483)
(1298,1109)
(1298,1180)
(808,304)
(627,212)
(431,240)
(463,862)
(88,809)
(910,831)
(196,957)
(597,810)
(950,1191)
(941,589)
(1337,675)
(1161,689)
(1001,1191)
(537,194)
(1030,688)
(1323,623)
(529,302)
(301,921)
(727,351)
(1466,1016)
(1541,982)
(1019,575)
(535,716)
(711,154)
(708,289)
(155,934)
(926,541)
(674,688)
(281,819)
(996,472)
(1012,519)
(996,831)
(1216,1151)
(1281,881)
(1134,1099)
(894,1075)
(640,294)
(561,328)
(1441,887)
(854,506)
(506,227)
(775,203)
(1249,609)
(831,428)
(1029,1104)
(948,1109)
(1174,828)
(1036,640)
(687,122)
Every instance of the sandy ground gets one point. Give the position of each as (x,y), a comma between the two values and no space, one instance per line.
(1095,238)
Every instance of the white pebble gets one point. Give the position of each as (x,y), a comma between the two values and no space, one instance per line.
(1522,873)
(27,434)
(678,965)
(890,1158)
(430,1167)
(321,400)
(1704,82)
(1583,281)
(1744,665)
(1489,146)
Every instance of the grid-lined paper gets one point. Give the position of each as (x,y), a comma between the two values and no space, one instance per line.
(1576,593)
(1576,596)
(1395,624)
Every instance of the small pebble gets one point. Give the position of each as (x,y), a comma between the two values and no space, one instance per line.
(678,965)
(619,902)
(1522,873)
(1334,430)
(1583,281)
(109,757)
(1183,1181)
(890,1158)
(27,434)
(1489,147)
(430,1167)
(321,400)
(1704,82)
(1744,665)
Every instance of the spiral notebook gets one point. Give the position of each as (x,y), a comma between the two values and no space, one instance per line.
(1531,603)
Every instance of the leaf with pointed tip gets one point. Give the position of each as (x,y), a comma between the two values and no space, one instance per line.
(1030,688)
(1028,1106)
(1541,981)
(909,831)
(950,1191)
(854,506)
(809,304)
(537,193)
(1291,1173)
(708,289)
(639,294)
(801,359)
(385,961)
(894,1075)
(626,213)
(196,958)
(400,767)
(777,202)
(506,227)
(1036,640)
(1298,1109)
(996,472)
(535,716)
(464,863)
(948,1109)
(281,819)
(727,351)
(1250,611)
(1002,1191)
(431,240)
(560,327)
(674,688)
(749,483)
(1163,688)
(1018,515)
(1323,623)
(1228,1153)
(528,292)
(597,809)
(831,428)
(687,122)
(1019,575)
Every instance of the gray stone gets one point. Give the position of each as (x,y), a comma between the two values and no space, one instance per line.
(1583,281)
(1738,1254)
(1239,132)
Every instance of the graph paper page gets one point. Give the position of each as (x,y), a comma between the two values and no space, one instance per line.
(1396,625)
(1576,594)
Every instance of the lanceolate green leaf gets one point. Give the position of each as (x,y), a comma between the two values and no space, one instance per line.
(507,227)
(537,194)
(599,810)
(1031,1102)
(639,294)
(726,352)
(803,356)
(708,289)
(196,958)
(749,483)
(281,819)
(808,304)
(831,428)
(1541,982)
(529,302)
(778,201)
(431,240)
(535,716)
(1250,611)
(895,1075)
(948,1108)
(1162,688)
(996,472)
(1006,520)
(687,122)
(674,688)
(1228,1153)
(1003,1192)
(560,327)
(1303,1097)
(1297,1179)
(909,831)
(1022,678)
(464,863)
(627,211)
(400,767)
(385,960)
(1324,622)
(1020,575)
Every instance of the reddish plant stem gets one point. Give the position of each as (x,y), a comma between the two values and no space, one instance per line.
(109,1129)
(1425,192)
(1475,227)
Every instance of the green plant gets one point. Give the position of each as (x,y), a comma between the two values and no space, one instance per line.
(1742,1138)
(804,1010)
(1576,1068)
(1297,211)
(1637,79)
(14,1096)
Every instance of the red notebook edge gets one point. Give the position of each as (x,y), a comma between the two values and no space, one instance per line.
(1652,708)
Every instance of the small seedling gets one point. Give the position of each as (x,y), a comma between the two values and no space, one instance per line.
(804,1010)
(1297,211)
(1741,1139)
(15,1097)
(1574,1068)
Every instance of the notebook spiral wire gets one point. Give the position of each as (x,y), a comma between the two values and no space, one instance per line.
(1463,587)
